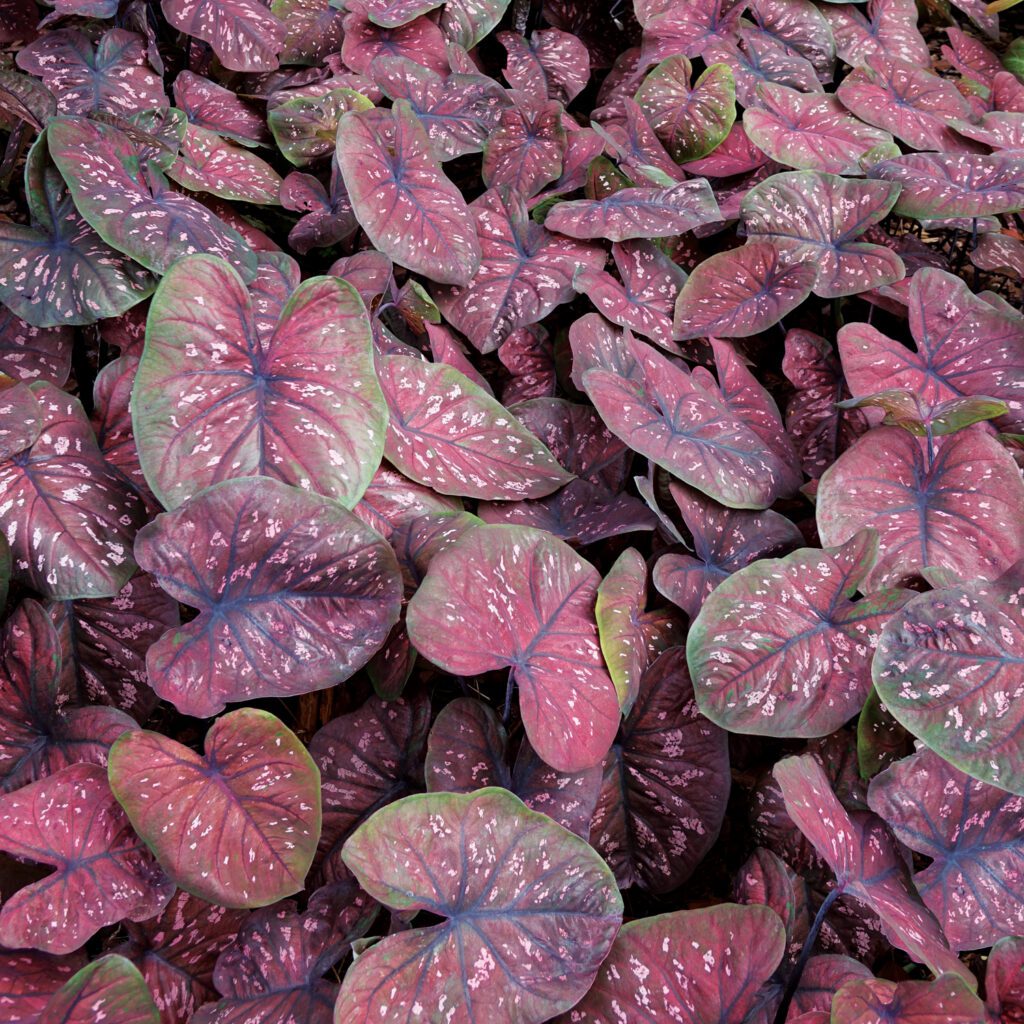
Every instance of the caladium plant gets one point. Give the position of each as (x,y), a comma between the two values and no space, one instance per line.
(511,512)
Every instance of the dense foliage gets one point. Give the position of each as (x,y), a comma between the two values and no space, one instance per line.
(511,511)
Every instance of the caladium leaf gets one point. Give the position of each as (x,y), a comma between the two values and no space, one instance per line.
(690,122)
(237,826)
(972,833)
(637,213)
(809,131)
(38,734)
(318,596)
(30,353)
(1004,991)
(552,64)
(801,28)
(637,149)
(211,106)
(206,163)
(688,29)
(758,58)
(889,29)
(368,758)
(113,76)
(459,112)
(525,272)
(466,751)
(328,216)
(28,979)
(725,540)
(925,504)
(552,911)
(904,99)
(537,621)
(688,430)
(866,862)
(214,399)
(947,1000)
(944,662)
(938,186)
(997,129)
(446,432)
(58,270)
(666,783)
(780,648)
(818,217)
(745,945)
(244,35)
(744,291)
(131,206)
(305,127)
(528,355)
(177,950)
(526,151)
(62,490)
(393,13)
(314,30)
(466,22)
(420,40)
(103,872)
(110,988)
(405,204)
(392,500)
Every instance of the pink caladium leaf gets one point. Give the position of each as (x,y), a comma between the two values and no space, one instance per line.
(998,252)
(460,112)
(30,353)
(327,218)
(997,129)
(939,186)
(926,500)
(551,63)
(446,432)
(781,648)
(177,950)
(537,622)
(552,911)
(724,540)
(947,1000)
(466,22)
(110,988)
(394,13)
(741,292)
(866,862)
(406,205)
(305,127)
(691,122)
(217,822)
(206,163)
(637,149)
(274,971)
(766,880)
(745,944)
(818,218)
(962,641)
(637,213)
(23,419)
(86,515)
(905,99)
(319,595)
(809,131)
(688,29)
(392,500)
(367,758)
(467,751)
(129,204)
(112,77)
(964,347)
(58,270)
(525,272)
(666,783)
(525,152)
(889,29)
(973,882)
(645,297)
(736,155)
(40,734)
(528,356)
(102,871)
(244,35)
(419,40)
(314,30)
(301,405)
(1004,979)
(688,430)
(800,27)
(28,979)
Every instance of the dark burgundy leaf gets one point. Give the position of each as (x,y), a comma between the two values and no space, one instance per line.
(1004,980)
(30,353)
(946,1000)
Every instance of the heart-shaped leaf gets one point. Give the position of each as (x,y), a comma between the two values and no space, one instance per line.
(947,1000)
(524,274)
(405,204)
(420,40)
(393,13)
(945,661)
(526,151)
(666,783)
(305,127)
(237,826)
(294,595)
(740,292)
(466,22)
(448,433)
(780,648)
(110,988)
(888,30)
(244,35)
(206,163)
(211,106)
(523,936)
(30,353)
(215,398)
(28,979)
(709,965)
(551,63)
(951,504)
(517,598)
(103,872)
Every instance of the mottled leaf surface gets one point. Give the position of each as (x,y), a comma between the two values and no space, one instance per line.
(109,988)
(244,35)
